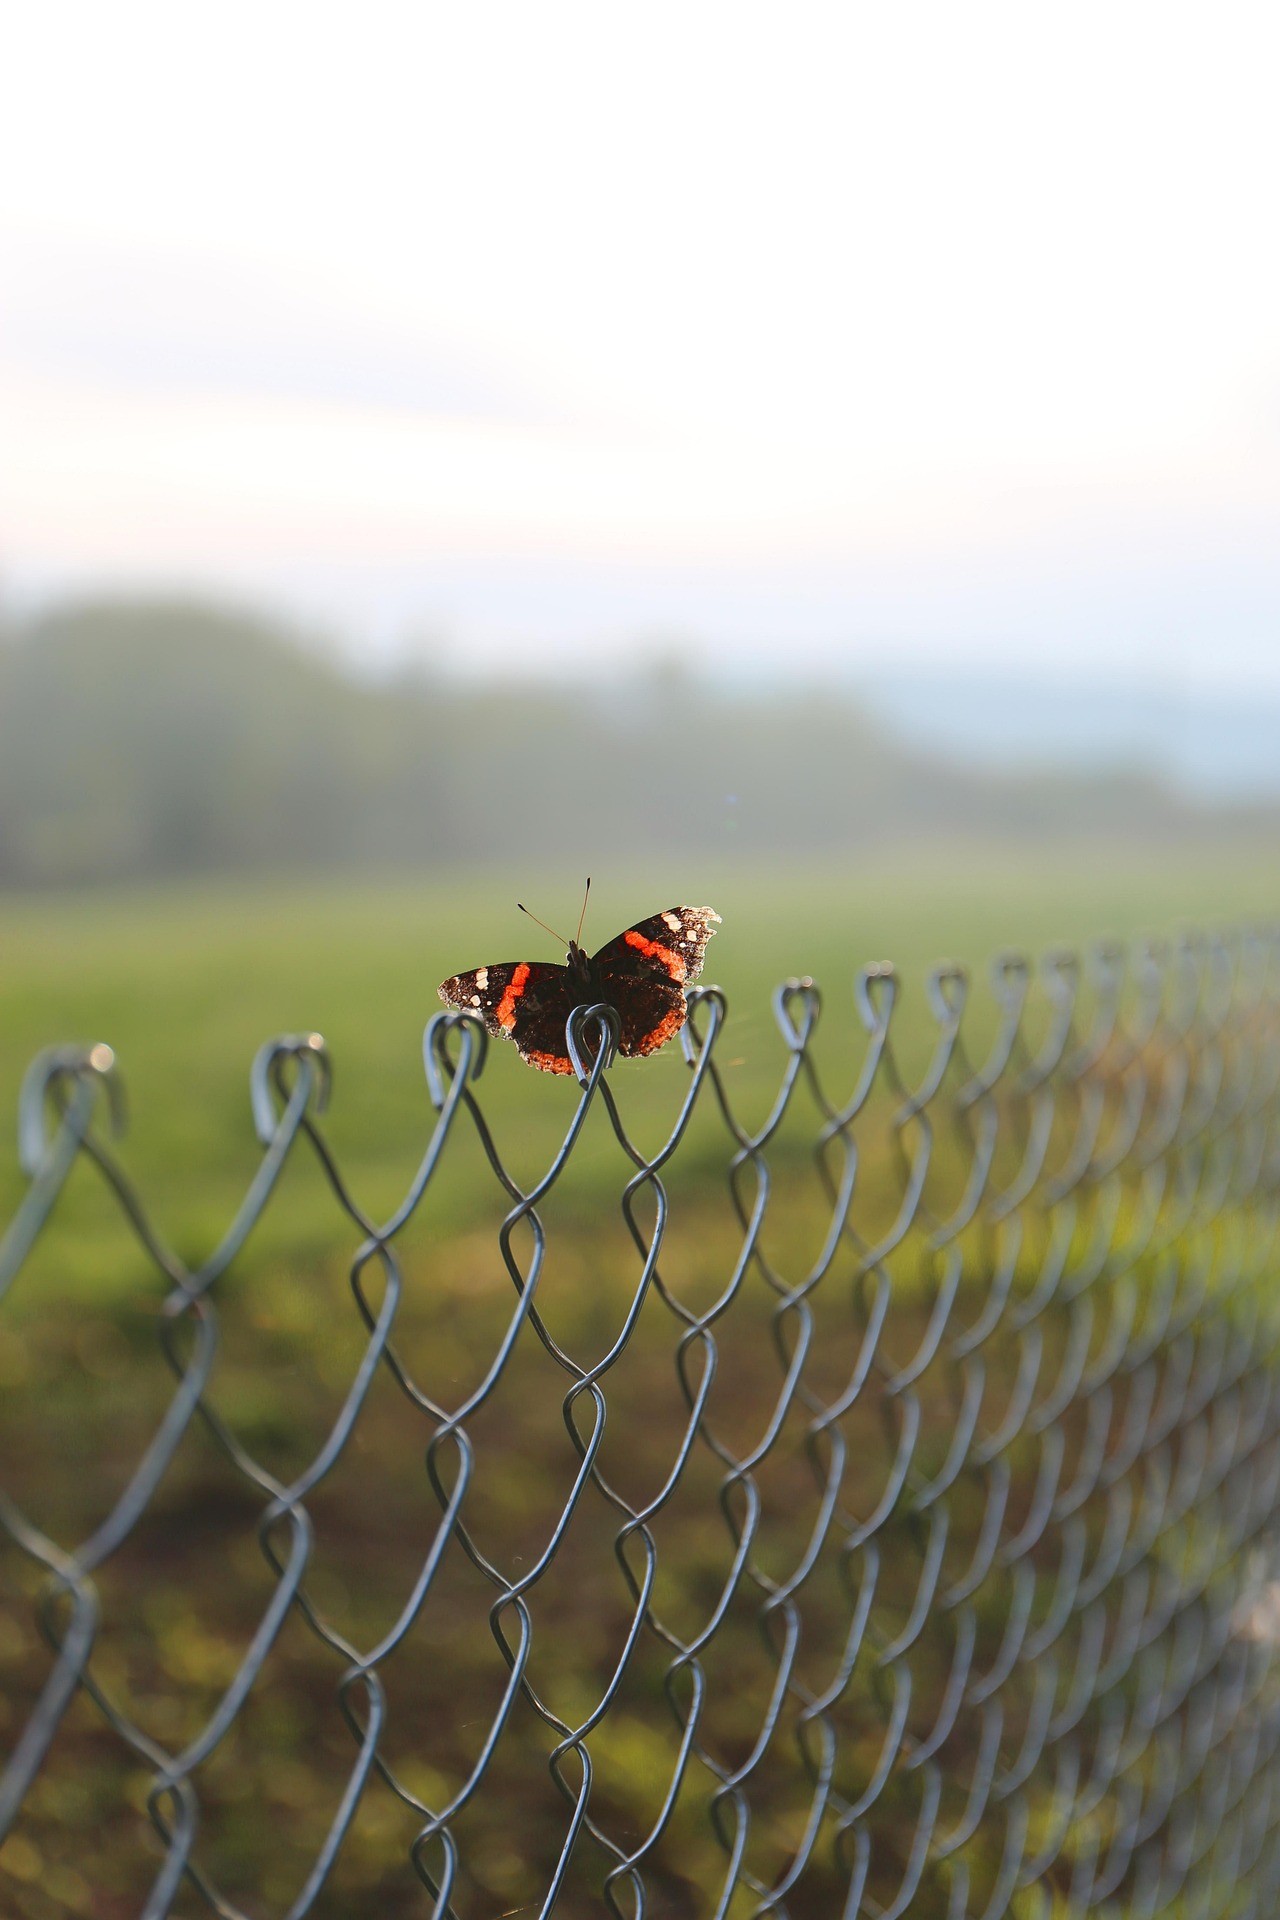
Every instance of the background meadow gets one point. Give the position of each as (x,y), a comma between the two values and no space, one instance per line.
(185,982)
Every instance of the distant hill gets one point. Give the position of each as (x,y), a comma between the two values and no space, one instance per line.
(168,737)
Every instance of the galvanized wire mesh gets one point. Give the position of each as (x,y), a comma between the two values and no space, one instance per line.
(873,1513)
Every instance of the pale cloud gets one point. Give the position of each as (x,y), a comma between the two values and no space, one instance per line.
(967,315)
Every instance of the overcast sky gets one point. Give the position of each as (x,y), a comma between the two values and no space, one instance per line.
(837,332)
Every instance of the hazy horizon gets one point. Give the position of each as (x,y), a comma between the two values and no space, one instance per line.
(1215,747)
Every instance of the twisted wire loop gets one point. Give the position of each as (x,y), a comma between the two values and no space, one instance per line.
(874,1514)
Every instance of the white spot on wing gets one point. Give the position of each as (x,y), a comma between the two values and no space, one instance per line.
(482,980)
(673,921)
(475,999)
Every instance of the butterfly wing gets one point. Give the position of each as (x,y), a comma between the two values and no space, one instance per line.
(527,1001)
(645,971)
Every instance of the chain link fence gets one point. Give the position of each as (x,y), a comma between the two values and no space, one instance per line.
(870,1511)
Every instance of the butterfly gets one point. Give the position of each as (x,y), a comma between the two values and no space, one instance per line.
(641,974)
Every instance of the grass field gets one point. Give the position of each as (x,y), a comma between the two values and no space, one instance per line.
(185,986)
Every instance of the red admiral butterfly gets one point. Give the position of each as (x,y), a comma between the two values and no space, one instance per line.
(642,974)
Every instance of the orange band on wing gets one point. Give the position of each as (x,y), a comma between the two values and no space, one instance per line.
(650,1042)
(654,950)
(506,1009)
(549,1062)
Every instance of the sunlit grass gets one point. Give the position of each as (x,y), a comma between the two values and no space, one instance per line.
(185,985)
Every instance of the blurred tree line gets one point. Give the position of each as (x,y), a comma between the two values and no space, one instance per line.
(154,738)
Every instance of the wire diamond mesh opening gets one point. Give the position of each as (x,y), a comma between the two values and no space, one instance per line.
(859,1510)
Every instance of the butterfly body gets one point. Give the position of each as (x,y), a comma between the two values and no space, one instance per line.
(642,975)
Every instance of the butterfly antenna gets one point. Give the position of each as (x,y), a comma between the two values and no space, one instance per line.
(542,923)
(577,938)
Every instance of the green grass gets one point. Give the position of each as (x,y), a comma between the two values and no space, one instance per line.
(185,984)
